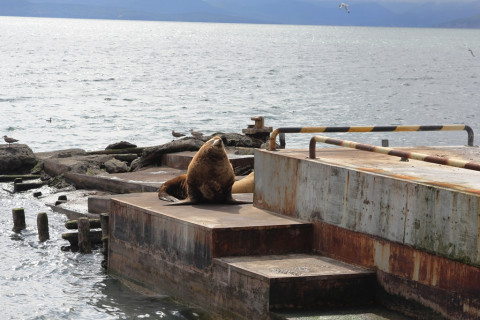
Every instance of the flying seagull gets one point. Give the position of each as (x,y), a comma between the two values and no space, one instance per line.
(196,134)
(471,51)
(344,5)
(9,140)
(177,134)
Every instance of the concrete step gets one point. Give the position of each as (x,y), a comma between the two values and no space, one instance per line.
(293,281)
(194,235)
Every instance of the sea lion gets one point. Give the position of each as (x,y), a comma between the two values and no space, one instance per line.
(174,189)
(210,175)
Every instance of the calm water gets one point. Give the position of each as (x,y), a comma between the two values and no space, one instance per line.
(107,81)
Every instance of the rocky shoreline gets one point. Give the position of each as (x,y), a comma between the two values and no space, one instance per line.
(121,168)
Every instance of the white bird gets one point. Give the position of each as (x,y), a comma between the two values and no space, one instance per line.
(344,5)
(196,134)
(177,134)
(9,140)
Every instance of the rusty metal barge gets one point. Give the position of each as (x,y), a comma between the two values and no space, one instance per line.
(329,227)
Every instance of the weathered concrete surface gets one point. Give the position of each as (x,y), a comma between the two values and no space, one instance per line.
(193,235)
(198,253)
(16,159)
(294,281)
(423,207)
(171,248)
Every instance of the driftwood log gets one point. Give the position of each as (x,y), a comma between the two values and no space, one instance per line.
(153,155)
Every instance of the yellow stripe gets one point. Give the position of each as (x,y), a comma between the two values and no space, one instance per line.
(360,129)
(452,127)
(456,163)
(313,129)
(407,128)
(383,150)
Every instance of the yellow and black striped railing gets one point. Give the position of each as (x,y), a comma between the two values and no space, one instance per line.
(451,127)
(391,152)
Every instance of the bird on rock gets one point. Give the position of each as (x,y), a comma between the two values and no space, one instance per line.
(196,134)
(9,140)
(177,134)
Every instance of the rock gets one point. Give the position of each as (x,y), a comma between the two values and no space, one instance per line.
(121,145)
(115,166)
(67,153)
(16,158)
(128,157)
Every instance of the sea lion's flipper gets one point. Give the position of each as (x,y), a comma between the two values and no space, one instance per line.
(185,202)
(166,197)
(190,202)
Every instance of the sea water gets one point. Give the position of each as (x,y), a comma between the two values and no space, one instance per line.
(99,82)
(106,81)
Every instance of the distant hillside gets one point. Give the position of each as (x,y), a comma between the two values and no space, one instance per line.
(312,12)
(470,22)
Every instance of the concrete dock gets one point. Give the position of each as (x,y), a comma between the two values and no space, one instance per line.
(236,260)
(346,229)
(415,223)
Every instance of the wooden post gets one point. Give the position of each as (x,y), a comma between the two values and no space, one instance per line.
(104,223)
(18,219)
(84,245)
(42,226)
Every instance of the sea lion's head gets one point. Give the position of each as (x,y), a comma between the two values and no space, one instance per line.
(213,147)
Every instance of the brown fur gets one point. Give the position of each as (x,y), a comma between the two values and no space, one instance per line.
(210,175)
(176,187)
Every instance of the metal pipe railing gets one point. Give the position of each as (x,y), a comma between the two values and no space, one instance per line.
(391,152)
(451,127)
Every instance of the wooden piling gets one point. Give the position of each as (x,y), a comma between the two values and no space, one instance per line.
(104,223)
(42,226)
(72,237)
(18,219)
(84,245)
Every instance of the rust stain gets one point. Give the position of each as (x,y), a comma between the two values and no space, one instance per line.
(403,261)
